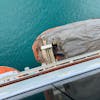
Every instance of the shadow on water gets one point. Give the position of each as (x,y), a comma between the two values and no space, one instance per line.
(35,97)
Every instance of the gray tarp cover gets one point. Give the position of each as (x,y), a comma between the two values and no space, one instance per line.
(78,38)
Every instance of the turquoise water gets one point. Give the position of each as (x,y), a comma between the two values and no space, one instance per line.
(21,21)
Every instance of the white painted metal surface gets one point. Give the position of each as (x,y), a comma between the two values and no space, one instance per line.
(40,83)
(40,69)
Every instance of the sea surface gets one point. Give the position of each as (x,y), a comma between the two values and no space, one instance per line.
(21,21)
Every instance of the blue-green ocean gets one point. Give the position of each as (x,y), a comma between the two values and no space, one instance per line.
(21,21)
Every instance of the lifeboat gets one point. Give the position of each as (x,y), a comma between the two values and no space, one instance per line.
(67,41)
(7,71)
